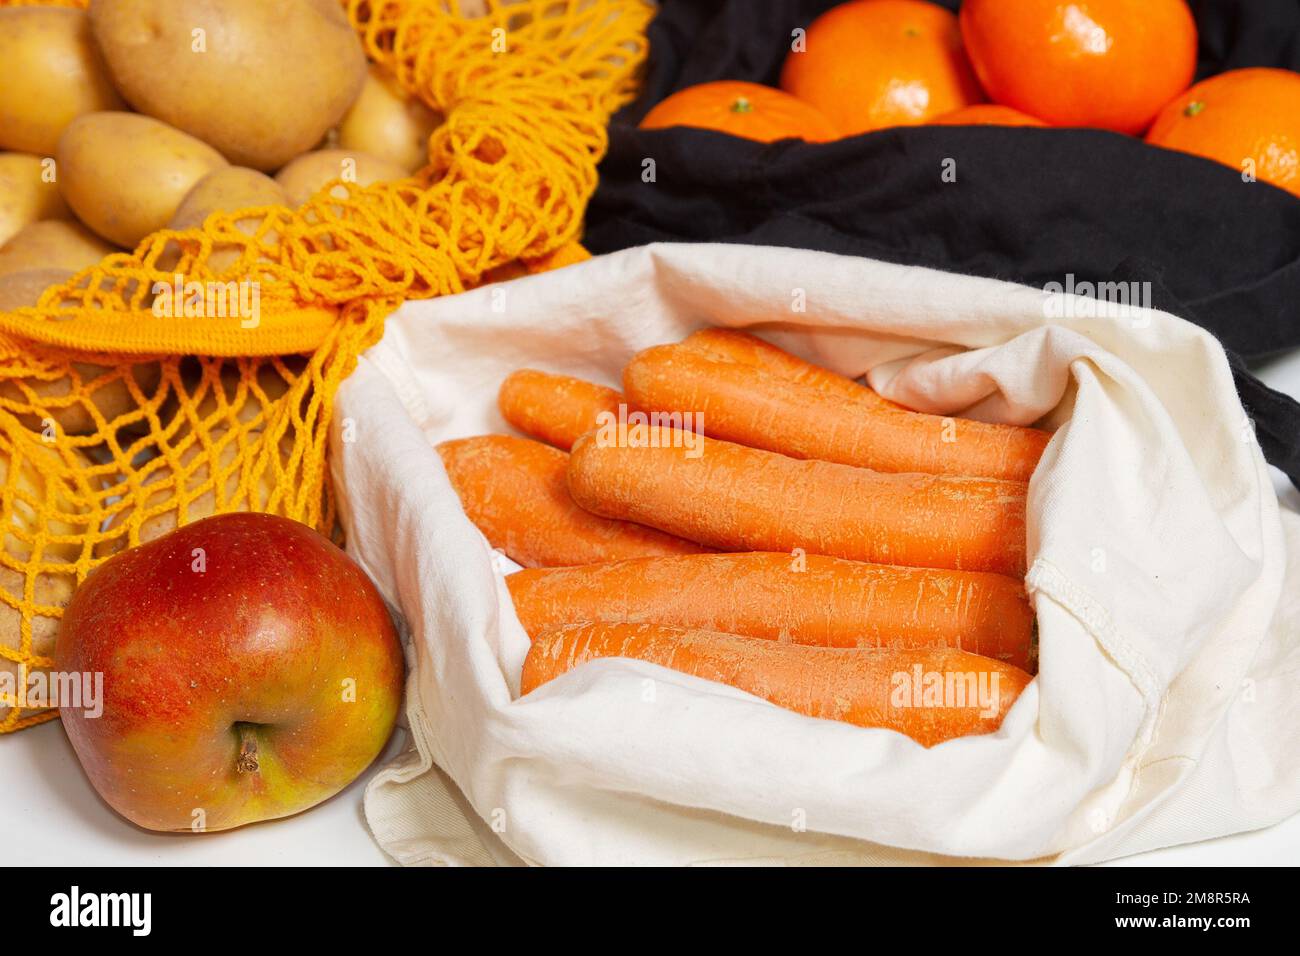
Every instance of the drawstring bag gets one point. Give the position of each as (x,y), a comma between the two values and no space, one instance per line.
(1037,206)
(1164,709)
(118,420)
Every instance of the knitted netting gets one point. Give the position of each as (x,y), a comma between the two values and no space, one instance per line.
(119,421)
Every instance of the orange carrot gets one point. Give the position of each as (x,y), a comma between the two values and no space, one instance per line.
(730,345)
(742,499)
(929,694)
(513,489)
(805,599)
(555,409)
(762,410)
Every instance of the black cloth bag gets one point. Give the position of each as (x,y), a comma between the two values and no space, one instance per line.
(1029,205)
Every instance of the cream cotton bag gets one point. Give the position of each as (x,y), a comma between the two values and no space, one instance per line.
(1167,702)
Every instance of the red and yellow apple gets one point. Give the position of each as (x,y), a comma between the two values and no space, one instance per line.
(250,671)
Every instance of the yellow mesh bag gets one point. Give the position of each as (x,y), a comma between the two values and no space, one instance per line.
(119,421)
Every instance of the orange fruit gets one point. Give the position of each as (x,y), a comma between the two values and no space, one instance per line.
(1242,118)
(986,114)
(1106,63)
(741,109)
(875,63)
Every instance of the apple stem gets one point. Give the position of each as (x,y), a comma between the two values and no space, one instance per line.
(247,762)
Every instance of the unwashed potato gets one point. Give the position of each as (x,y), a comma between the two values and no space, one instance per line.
(52,73)
(31,479)
(54,244)
(309,173)
(112,396)
(225,190)
(18,290)
(200,506)
(269,380)
(124,175)
(51,589)
(204,505)
(388,123)
(262,82)
(25,196)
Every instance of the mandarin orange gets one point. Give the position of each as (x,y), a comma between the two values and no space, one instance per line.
(1248,119)
(741,109)
(869,64)
(1106,63)
(986,114)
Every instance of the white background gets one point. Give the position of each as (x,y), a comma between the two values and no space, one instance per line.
(50,815)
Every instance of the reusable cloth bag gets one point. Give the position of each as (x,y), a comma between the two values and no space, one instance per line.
(1167,702)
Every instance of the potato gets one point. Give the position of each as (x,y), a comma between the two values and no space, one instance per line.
(262,81)
(200,506)
(307,174)
(52,74)
(111,397)
(124,175)
(31,480)
(25,196)
(55,244)
(224,190)
(387,122)
(18,290)
(51,588)
(63,248)
(204,505)
(269,380)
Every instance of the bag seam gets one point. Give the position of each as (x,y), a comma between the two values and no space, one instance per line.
(1046,577)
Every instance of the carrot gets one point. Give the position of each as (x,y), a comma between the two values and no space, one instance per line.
(929,694)
(555,409)
(804,599)
(742,499)
(730,345)
(756,408)
(513,490)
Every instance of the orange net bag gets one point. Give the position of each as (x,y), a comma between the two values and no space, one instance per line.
(120,420)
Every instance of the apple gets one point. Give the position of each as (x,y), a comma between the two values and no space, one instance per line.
(250,671)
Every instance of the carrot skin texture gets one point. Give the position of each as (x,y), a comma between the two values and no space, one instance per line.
(860,687)
(514,491)
(732,345)
(735,498)
(756,408)
(809,599)
(555,409)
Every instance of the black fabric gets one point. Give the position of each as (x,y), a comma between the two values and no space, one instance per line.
(1028,205)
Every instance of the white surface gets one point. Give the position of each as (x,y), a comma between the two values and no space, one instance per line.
(51,816)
